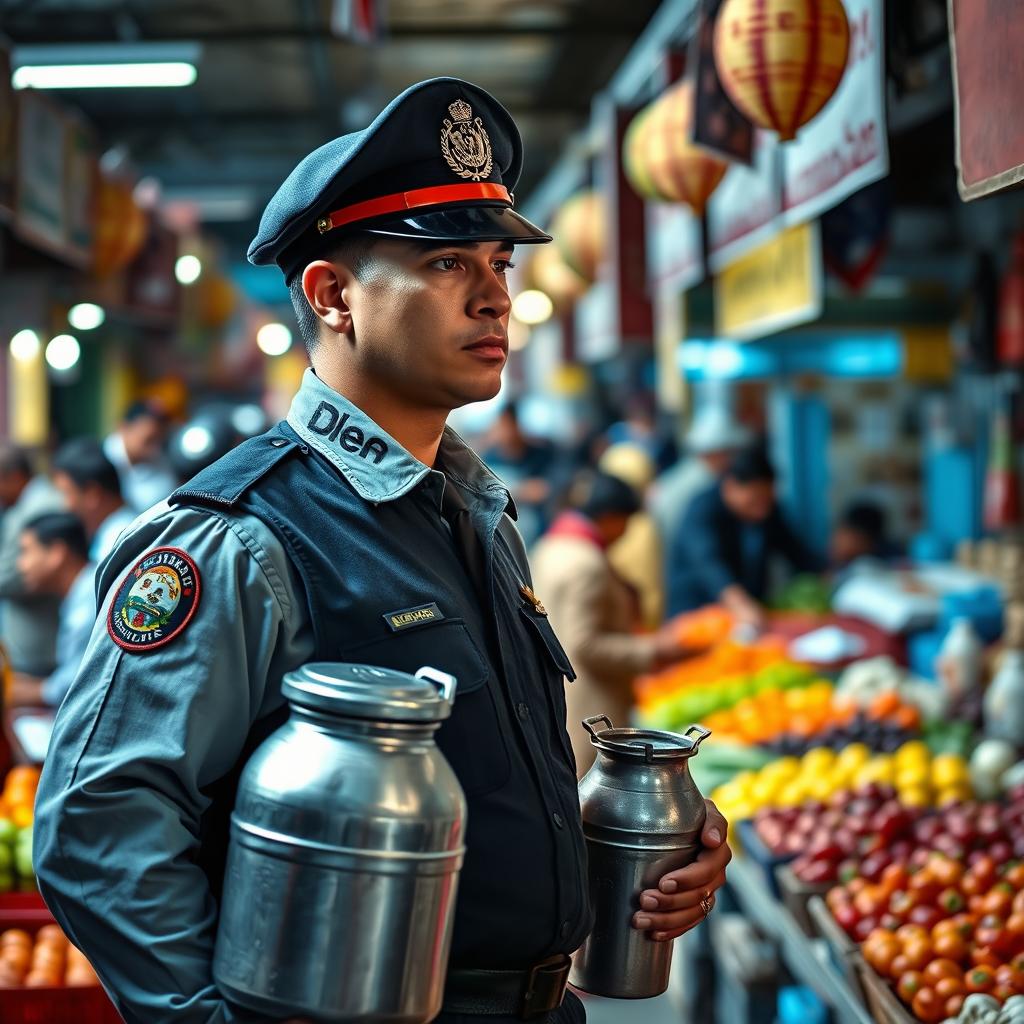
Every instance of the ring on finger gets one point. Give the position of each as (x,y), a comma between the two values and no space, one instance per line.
(706,905)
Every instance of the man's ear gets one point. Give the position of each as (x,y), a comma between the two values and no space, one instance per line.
(325,286)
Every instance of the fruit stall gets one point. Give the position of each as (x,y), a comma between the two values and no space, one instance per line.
(877,819)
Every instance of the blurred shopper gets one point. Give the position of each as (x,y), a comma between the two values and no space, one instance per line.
(861,535)
(28,621)
(54,559)
(711,442)
(136,450)
(527,466)
(731,531)
(91,489)
(594,611)
(637,556)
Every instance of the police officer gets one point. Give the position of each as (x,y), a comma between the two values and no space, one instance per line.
(301,545)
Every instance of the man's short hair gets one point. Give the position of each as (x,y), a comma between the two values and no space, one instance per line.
(866,518)
(60,528)
(84,461)
(354,250)
(143,407)
(14,460)
(751,465)
(601,494)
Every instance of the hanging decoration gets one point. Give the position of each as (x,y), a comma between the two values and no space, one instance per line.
(659,159)
(780,61)
(120,228)
(549,272)
(580,230)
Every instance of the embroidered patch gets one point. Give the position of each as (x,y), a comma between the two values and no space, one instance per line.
(155,601)
(408,617)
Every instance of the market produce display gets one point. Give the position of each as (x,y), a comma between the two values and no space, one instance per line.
(939,911)
(46,961)
(16,803)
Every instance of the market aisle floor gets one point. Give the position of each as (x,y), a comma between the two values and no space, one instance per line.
(620,1011)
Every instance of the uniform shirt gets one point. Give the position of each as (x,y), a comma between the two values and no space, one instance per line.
(77,616)
(146,747)
(109,530)
(143,484)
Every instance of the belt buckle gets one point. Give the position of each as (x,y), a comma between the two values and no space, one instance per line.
(545,986)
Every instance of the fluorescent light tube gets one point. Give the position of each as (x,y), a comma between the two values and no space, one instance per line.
(104,76)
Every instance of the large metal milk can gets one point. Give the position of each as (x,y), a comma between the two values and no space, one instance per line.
(345,850)
(642,817)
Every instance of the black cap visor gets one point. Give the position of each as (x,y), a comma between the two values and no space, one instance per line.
(476,223)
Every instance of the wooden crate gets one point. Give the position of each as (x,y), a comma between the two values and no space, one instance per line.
(795,895)
(845,951)
(883,1004)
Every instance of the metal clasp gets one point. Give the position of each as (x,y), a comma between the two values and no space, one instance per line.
(444,682)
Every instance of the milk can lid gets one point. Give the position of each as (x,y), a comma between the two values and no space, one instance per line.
(650,745)
(367,691)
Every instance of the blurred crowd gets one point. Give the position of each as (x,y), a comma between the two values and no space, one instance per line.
(625,533)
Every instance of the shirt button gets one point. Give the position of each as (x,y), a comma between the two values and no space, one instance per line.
(523,710)
(558,820)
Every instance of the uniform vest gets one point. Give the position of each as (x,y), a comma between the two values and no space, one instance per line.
(385,586)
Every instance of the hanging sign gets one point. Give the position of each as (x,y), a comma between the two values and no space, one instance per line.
(844,147)
(986,38)
(743,211)
(777,285)
(40,214)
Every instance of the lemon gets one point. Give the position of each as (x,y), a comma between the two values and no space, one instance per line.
(953,794)
(744,780)
(729,793)
(880,768)
(818,759)
(913,752)
(791,795)
(915,796)
(949,770)
(910,775)
(783,768)
(854,755)
(822,786)
(765,791)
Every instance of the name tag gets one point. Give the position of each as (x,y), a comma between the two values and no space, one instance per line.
(407,618)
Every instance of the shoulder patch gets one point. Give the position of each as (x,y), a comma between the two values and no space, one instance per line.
(155,601)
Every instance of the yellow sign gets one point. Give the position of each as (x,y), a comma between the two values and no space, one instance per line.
(776,285)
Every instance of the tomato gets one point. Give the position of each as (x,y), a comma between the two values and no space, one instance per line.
(927,917)
(971,884)
(941,968)
(837,896)
(909,985)
(1015,876)
(1003,992)
(894,878)
(998,900)
(947,871)
(965,924)
(881,953)
(985,956)
(927,1006)
(980,979)
(950,946)
(911,931)
(901,902)
(846,917)
(918,952)
(1018,903)
(1015,924)
(868,902)
(1017,963)
(954,1004)
(855,885)
(926,885)
(1004,974)
(989,930)
(951,901)
(899,967)
(946,987)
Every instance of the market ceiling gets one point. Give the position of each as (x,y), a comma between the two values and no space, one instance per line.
(274,82)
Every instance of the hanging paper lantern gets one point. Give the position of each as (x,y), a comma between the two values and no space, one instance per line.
(549,273)
(659,159)
(217,300)
(580,230)
(781,60)
(121,227)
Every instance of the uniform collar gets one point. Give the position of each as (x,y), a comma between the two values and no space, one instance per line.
(370,459)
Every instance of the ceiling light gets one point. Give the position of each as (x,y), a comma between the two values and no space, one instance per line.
(63,352)
(532,307)
(104,76)
(274,339)
(187,269)
(86,316)
(196,441)
(25,346)
(249,420)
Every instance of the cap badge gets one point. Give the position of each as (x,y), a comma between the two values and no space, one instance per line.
(465,143)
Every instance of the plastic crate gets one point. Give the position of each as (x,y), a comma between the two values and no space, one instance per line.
(759,854)
(64,1005)
(795,895)
(881,1001)
(844,951)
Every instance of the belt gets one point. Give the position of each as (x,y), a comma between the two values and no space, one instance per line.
(528,993)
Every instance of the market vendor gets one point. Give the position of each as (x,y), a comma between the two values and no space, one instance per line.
(722,552)
(395,242)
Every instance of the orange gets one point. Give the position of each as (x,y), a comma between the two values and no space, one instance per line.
(22,815)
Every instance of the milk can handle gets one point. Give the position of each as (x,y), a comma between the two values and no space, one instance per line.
(444,682)
(700,732)
(588,724)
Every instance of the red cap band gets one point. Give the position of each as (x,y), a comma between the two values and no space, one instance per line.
(401,201)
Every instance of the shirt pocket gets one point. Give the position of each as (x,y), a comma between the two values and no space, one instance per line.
(473,737)
(557,669)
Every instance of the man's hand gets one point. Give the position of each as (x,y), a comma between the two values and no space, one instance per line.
(674,907)
(25,691)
